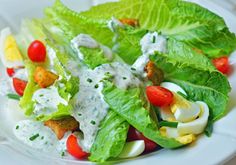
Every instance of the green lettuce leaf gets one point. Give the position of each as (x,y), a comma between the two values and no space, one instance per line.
(181,20)
(26,102)
(210,87)
(69,23)
(93,57)
(110,139)
(128,105)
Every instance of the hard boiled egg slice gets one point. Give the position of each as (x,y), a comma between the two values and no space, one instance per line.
(173,133)
(166,114)
(173,87)
(198,125)
(9,51)
(132,149)
(184,110)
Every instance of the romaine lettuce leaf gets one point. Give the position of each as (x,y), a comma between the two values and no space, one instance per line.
(93,57)
(26,102)
(69,23)
(184,21)
(210,87)
(128,105)
(110,139)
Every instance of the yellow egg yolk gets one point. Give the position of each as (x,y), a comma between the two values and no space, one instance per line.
(11,51)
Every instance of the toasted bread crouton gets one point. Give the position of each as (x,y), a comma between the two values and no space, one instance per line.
(154,74)
(129,21)
(61,126)
(44,78)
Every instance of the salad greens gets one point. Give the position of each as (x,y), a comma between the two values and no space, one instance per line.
(112,136)
(194,36)
(127,104)
(188,22)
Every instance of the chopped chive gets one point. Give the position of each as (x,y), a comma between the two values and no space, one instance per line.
(89,80)
(183,95)
(168,124)
(32,138)
(41,95)
(154,39)
(124,78)
(93,122)
(42,137)
(96,86)
(13,96)
(63,154)
(79,114)
(17,127)
(133,69)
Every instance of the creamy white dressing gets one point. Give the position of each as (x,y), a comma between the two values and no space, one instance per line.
(38,136)
(6,86)
(21,73)
(150,43)
(51,54)
(35,134)
(85,40)
(47,100)
(89,105)
(113,24)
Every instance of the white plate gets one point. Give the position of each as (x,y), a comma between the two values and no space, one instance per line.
(215,150)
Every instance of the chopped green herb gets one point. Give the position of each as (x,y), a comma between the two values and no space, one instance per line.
(183,95)
(42,137)
(63,154)
(168,124)
(79,114)
(93,122)
(41,95)
(124,78)
(32,138)
(133,69)
(89,80)
(17,127)
(13,96)
(154,39)
(96,86)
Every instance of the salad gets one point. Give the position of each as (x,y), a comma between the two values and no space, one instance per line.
(119,80)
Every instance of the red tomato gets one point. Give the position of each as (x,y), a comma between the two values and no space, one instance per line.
(222,64)
(37,51)
(74,149)
(10,72)
(159,96)
(19,86)
(134,134)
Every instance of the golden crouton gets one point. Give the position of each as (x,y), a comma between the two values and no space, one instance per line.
(129,21)
(154,74)
(61,126)
(44,78)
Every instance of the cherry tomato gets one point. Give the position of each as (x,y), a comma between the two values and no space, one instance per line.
(134,134)
(74,149)
(37,51)
(222,64)
(10,72)
(19,86)
(159,96)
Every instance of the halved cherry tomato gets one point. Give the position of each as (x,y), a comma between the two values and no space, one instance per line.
(74,149)
(222,64)
(37,51)
(159,96)
(10,72)
(134,134)
(19,86)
